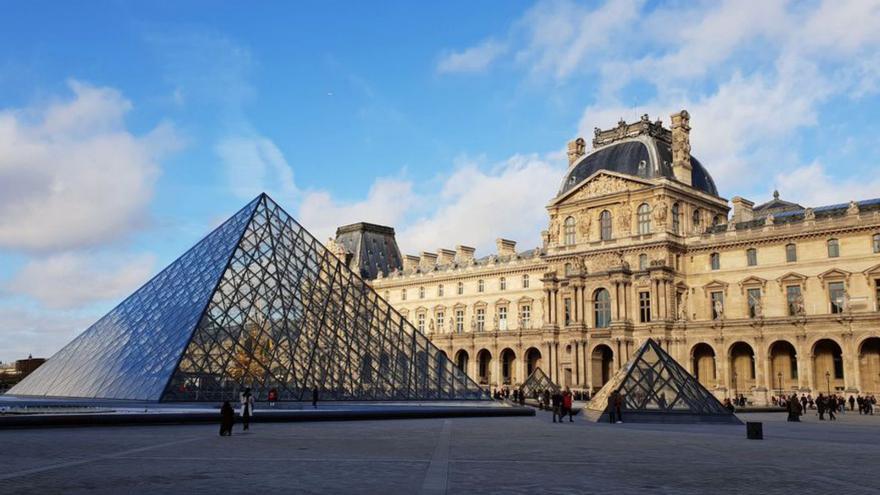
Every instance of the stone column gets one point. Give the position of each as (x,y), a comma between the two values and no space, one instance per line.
(588,368)
(811,373)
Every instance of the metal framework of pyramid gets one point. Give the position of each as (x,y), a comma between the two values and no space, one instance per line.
(258,303)
(538,382)
(655,388)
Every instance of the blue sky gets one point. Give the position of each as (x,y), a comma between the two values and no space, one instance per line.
(129,129)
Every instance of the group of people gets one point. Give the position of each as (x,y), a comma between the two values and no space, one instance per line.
(562,405)
(247,401)
(831,405)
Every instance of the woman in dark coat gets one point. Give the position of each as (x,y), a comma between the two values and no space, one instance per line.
(227,419)
(794,409)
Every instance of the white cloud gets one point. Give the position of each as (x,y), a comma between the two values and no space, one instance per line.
(475,206)
(68,281)
(72,175)
(254,164)
(812,185)
(386,203)
(41,333)
(474,59)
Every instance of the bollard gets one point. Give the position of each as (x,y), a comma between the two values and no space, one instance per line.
(754,430)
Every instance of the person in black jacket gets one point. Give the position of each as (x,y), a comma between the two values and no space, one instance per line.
(557,406)
(227,419)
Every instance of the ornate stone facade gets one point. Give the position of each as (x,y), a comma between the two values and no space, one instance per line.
(780,299)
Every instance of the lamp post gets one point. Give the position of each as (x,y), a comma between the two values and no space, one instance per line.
(735,389)
(779,376)
(828,381)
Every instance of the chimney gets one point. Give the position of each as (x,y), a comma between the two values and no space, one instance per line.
(410,262)
(445,256)
(681,147)
(427,261)
(576,149)
(506,247)
(742,209)
(464,254)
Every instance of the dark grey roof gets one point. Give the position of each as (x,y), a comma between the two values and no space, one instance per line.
(643,157)
(482,261)
(776,206)
(373,249)
(793,216)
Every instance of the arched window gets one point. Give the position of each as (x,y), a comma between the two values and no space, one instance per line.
(877,243)
(643,262)
(460,288)
(752,257)
(602,308)
(421,292)
(676,218)
(605,225)
(791,253)
(502,283)
(481,286)
(696,220)
(569,231)
(644,214)
(525,281)
(715,261)
(833,248)
(440,290)
(717,220)
(403,294)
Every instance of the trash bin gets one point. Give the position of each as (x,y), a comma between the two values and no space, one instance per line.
(754,430)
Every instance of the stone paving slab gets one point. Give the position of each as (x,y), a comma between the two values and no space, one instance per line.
(458,455)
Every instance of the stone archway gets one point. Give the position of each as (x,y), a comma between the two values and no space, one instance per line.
(703,360)
(484,367)
(783,367)
(462,360)
(742,368)
(602,362)
(869,366)
(827,366)
(508,367)
(533,361)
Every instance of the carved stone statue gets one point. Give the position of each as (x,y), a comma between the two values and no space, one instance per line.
(431,325)
(853,208)
(553,230)
(719,309)
(580,266)
(847,302)
(660,213)
(809,214)
(758,308)
(585,221)
(495,322)
(624,217)
(799,305)
(682,307)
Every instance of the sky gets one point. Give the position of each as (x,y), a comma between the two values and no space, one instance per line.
(128,130)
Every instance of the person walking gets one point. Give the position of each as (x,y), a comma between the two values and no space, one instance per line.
(830,406)
(567,405)
(804,403)
(794,409)
(227,419)
(820,407)
(247,408)
(315,397)
(852,403)
(557,406)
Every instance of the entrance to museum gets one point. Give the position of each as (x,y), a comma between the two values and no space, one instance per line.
(827,366)
(508,367)
(742,368)
(869,366)
(602,365)
(783,367)
(533,361)
(484,363)
(703,357)
(461,361)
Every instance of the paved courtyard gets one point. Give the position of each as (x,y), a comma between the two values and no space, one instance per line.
(478,455)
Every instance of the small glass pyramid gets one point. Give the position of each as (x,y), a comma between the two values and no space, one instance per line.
(655,388)
(258,303)
(537,383)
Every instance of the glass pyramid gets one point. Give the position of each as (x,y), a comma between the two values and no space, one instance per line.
(258,303)
(538,382)
(655,388)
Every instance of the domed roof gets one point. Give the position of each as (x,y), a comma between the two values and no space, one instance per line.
(642,156)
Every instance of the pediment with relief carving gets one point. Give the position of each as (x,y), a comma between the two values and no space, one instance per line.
(600,184)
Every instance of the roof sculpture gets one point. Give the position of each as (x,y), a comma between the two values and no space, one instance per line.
(656,389)
(257,303)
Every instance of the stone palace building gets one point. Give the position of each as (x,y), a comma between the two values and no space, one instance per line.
(758,301)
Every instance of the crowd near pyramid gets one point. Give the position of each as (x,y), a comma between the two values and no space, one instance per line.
(258,303)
